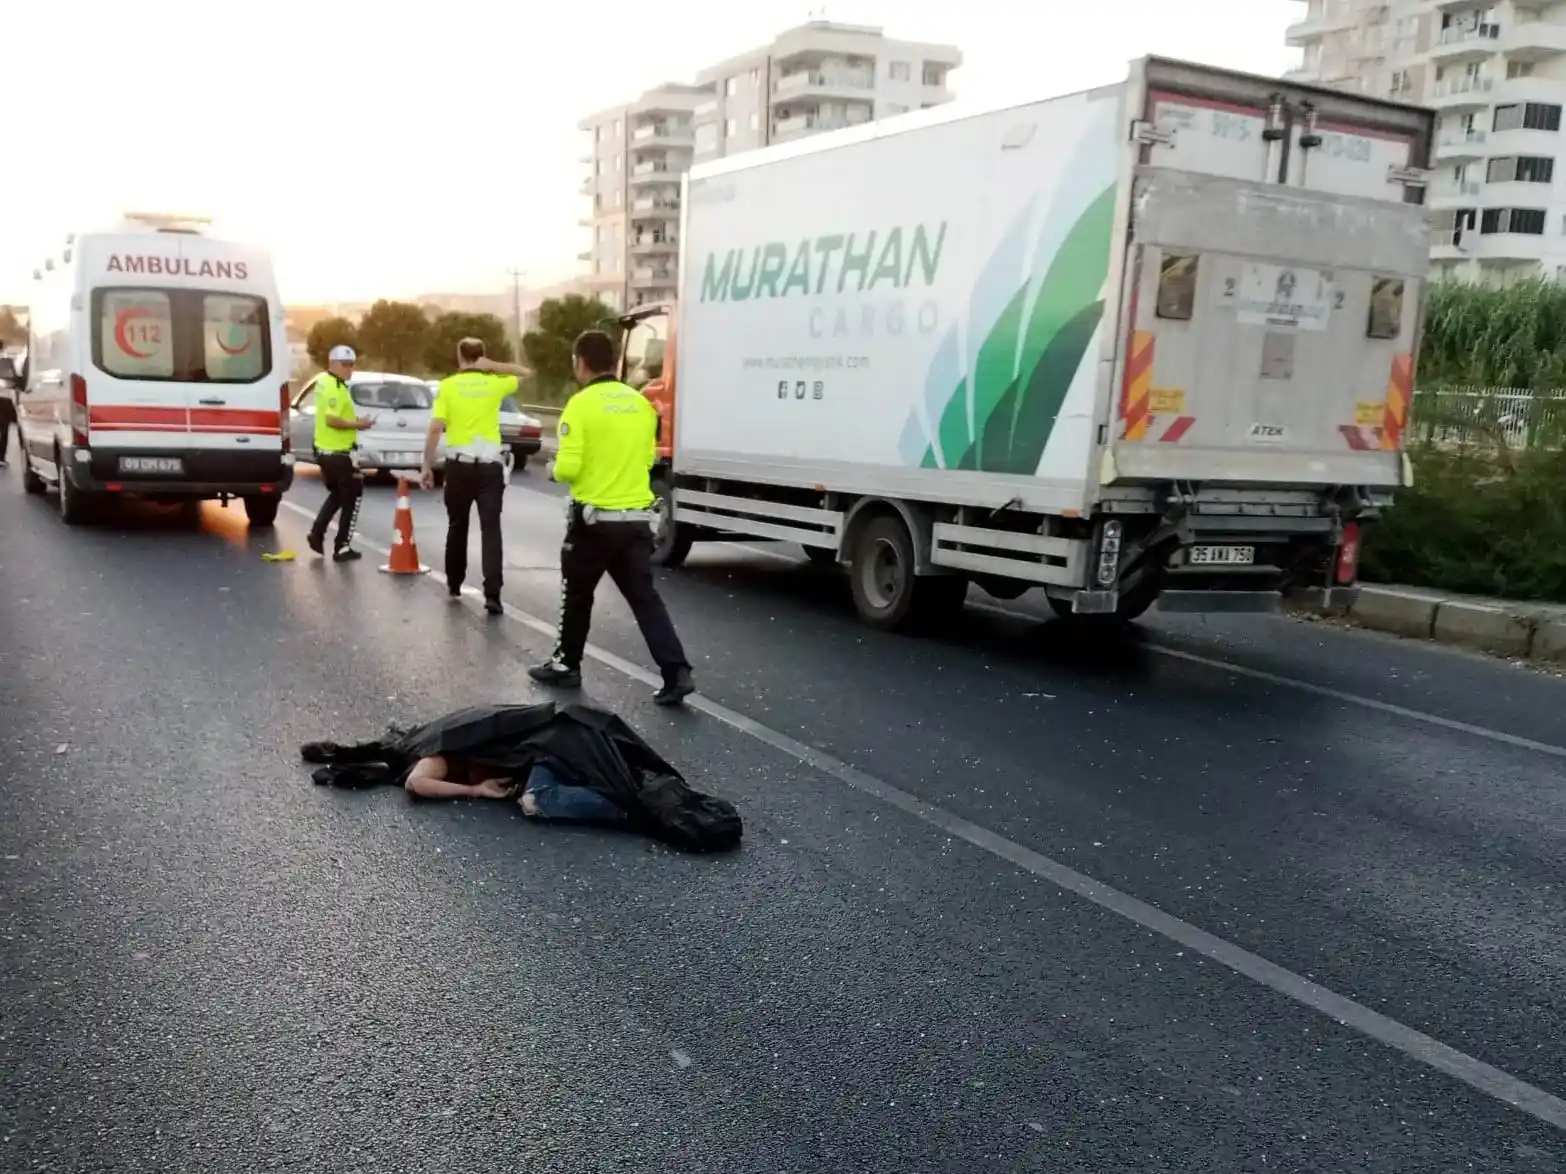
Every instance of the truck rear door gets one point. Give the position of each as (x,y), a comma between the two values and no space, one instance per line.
(1275,277)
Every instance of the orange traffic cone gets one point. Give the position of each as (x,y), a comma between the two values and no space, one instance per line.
(404,551)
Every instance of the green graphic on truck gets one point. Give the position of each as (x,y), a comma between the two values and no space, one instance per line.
(1029,356)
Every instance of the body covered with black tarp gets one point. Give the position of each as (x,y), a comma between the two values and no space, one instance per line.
(584,746)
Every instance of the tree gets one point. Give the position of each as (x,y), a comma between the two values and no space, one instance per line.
(12,332)
(326,334)
(560,320)
(394,334)
(450,328)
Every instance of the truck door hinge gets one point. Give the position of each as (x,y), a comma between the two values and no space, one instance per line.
(1414,177)
(1143,131)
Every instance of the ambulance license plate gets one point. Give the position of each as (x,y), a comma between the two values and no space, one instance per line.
(1222,556)
(174,465)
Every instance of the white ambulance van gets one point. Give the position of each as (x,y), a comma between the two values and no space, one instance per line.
(157,368)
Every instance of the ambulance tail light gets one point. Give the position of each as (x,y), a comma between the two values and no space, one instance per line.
(284,401)
(78,411)
(1348,555)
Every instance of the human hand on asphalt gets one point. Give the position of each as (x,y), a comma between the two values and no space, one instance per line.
(494,789)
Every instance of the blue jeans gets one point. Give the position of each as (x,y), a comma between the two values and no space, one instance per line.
(558,800)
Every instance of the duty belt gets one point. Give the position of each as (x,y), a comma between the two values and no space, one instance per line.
(591,515)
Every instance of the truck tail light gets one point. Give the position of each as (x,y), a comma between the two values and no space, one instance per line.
(79,419)
(1348,554)
(284,401)
(1109,554)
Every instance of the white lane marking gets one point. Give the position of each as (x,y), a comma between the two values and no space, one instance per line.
(1241,670)
(1416,1045)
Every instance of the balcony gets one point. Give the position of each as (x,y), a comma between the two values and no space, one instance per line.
(1533,40)
(653,277)
(652,244)
(1445,195)
(807,124)
(705,110)
(823,83)
(664,134)
(1467,43)
(1461,144)
(1462,92)
(654,172)
(655,208)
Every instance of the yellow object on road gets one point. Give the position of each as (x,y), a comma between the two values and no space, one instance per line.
(281,556)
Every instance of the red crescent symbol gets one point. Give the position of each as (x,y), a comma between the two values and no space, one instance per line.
(228,350)
(121,321)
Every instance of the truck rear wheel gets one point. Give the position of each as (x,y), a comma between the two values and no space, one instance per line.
(671,541)
(888,595)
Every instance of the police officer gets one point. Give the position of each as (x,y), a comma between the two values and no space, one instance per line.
(467,412)
(336,431)
(608,443)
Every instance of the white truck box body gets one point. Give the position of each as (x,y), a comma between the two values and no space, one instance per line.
(965,307)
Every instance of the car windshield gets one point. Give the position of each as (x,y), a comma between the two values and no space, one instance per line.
(392,396)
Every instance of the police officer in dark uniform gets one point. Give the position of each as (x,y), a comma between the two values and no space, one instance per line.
(608,444)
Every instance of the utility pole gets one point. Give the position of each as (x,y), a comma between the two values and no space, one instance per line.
(516,304)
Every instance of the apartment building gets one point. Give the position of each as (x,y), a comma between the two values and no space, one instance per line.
(1496,74)
(817,77)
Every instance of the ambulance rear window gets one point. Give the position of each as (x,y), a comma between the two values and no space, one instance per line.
(181,335)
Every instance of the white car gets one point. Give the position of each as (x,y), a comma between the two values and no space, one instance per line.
(395,444)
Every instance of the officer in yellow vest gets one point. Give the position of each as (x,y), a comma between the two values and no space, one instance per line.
(608,443)
(467,412)
(337,430)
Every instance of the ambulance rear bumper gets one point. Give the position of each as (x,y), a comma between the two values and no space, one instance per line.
(200,473)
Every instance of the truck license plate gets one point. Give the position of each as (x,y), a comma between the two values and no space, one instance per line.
(1222,556)
(173,465)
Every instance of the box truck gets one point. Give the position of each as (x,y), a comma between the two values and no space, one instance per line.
(1151,343)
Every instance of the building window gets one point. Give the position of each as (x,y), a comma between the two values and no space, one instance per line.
(755,77)
(619,128)
(732,87)
(1520,169)
(934,74)
(1519,69)
(730,128)
(1527,116)
(598,134)
(755,121)
(899,71)
(1402,82)
(614,198)
(1524,221)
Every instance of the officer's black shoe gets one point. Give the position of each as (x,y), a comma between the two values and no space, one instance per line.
(676,691)
(493,606)
(454,590)
(316,544)
(552,672)
(346,555)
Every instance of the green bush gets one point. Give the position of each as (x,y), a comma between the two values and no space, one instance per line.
(1477,524)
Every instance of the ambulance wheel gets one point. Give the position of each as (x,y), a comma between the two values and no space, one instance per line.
(888,595)
(262,511)
(73,502)
(32,483)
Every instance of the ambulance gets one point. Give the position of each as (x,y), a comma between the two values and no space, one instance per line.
(157,369)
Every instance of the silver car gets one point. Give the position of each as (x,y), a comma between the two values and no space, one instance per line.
(401,407)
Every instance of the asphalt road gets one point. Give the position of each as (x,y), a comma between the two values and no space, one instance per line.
(1008,901)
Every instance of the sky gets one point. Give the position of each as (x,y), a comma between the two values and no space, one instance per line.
(382,156)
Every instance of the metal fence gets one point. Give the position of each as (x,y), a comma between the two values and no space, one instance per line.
(1459,417)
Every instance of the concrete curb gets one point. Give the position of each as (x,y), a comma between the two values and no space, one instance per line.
(1519,630)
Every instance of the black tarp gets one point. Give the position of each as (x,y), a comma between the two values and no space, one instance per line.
(584,746)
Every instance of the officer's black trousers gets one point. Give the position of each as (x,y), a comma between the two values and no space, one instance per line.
(344,490)
(623,550)
(470,484)
(7,418)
